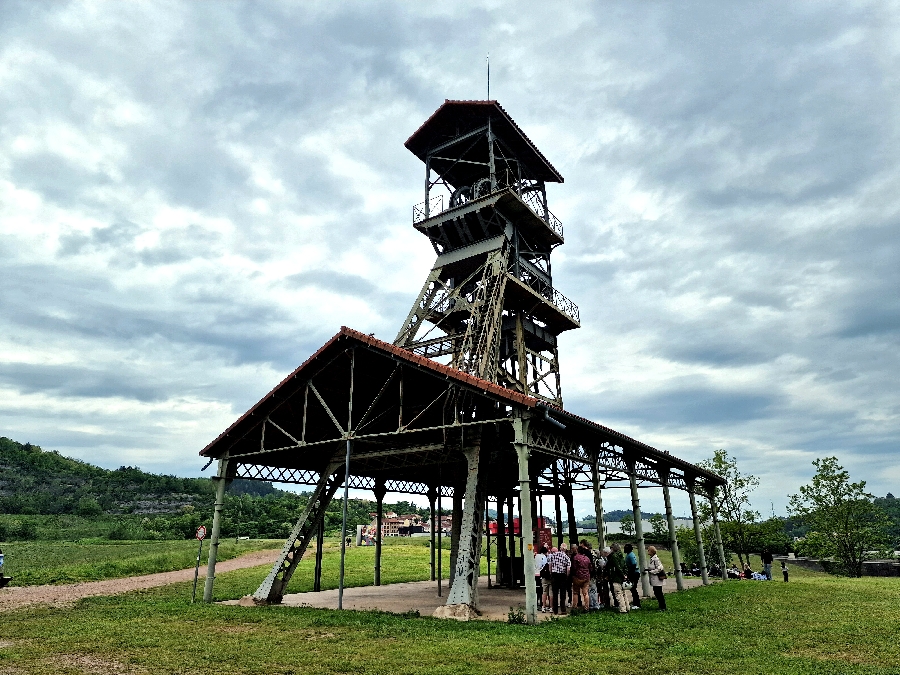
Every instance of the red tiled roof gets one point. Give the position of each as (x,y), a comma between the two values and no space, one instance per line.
(471,380)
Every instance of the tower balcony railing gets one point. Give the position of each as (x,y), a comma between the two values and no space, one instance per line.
(531,198)
(549,293)
(434,206)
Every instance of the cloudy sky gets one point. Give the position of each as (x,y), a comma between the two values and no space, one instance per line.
(195,196)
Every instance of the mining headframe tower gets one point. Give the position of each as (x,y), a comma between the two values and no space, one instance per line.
(466,403)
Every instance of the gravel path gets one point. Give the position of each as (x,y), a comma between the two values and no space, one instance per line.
(67,594)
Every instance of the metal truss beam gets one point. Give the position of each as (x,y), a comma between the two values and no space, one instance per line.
(276,474)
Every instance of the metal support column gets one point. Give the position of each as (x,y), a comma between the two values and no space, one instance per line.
(570,514)
(639,533)
(598,508)
(380,491)
(221,484)
(715,519)
(698,535)
(487,537)
(346,483)
(344,526)
(520,427)
(432,495)
(673,538)
(559,534)
(513,582)
(320,545)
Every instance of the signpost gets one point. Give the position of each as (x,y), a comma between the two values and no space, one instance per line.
(201,535)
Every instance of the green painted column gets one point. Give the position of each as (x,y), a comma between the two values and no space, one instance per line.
(221,483)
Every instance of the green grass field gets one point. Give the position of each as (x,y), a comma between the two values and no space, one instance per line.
(815,624)
(33,563)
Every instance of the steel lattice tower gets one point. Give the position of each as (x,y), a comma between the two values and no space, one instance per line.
(488,306)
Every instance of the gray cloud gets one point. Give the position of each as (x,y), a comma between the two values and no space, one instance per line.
(194,197)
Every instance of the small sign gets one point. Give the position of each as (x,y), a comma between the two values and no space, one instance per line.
(201,533)
(530,547)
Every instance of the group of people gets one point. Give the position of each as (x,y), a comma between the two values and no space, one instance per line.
(766,575)
(594,579)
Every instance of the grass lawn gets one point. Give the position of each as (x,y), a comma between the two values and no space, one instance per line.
(815,624)
(56,562)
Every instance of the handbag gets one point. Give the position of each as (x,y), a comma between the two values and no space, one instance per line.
(662,575)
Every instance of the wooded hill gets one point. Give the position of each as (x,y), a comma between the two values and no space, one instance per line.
(39,489)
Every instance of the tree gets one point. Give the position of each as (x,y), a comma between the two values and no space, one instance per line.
(844,522)
(627,524)
(733,502)
(660,527)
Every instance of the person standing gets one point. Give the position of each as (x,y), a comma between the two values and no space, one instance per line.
(615,566)
(542,577)
(784,571)
(581,576)
(633,574)
(766,558)
(560,564)
(657,577)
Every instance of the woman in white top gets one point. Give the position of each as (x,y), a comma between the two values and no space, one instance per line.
(542,581)
(656,567)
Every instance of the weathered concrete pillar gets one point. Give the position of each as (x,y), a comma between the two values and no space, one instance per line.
(456,523)
(463,596)
(698,535)
(520,427)
(221,483)
(380,491)
(598,508)
(673,537)
(639,533)
(715,518)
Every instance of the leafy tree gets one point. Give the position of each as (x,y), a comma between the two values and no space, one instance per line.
(660,527)
(733,503)
(627,524)
(845,524)
(88,507)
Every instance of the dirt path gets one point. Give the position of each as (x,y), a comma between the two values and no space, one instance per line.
(67,594)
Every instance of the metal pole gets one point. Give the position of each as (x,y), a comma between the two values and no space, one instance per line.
(346,483)
(487,534)
(570,512)
(431,497)
(513,582)
(216,526)
(197,572)
(380,491)
(598,508)
(673,538)
(639,533)
(320,545)
(559,535)
(715,518)
(344,527)
(440,571)
(698,535)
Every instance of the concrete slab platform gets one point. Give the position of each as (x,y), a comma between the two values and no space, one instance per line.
(421,596)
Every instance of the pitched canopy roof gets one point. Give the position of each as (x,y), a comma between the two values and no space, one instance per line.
(454,118)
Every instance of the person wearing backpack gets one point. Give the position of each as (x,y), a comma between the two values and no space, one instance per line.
(542,577)
(658,576)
